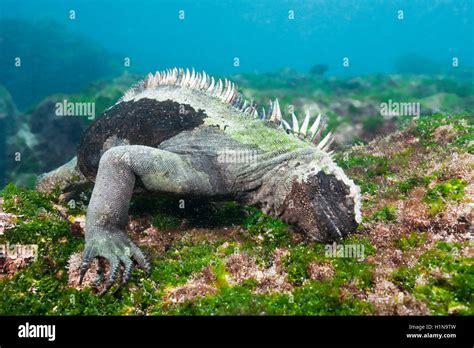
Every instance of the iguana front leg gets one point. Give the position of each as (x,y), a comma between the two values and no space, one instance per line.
(107,213)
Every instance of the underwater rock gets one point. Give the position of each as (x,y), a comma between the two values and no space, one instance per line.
(318,69)
(56,137)
(7,107)
(66,178)
(46,140)
(8,114)
(356,101)
(415,64)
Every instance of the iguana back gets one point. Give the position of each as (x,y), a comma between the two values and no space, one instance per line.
(169,103)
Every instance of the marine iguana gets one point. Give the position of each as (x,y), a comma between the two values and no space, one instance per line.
(184,133)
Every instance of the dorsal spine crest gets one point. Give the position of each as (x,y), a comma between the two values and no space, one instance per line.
(227,92)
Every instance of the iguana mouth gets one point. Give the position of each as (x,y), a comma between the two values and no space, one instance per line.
(321,206)
(333,209)
(337,223)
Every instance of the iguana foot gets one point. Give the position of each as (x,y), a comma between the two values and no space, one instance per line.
(118,250)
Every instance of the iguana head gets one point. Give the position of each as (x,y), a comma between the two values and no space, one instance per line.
(325,205)
(311,191)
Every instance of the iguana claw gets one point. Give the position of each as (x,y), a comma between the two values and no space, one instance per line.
(118,250)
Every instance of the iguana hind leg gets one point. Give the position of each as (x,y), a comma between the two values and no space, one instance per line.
(107,213)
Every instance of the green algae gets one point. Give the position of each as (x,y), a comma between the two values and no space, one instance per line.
(451,190)
(413,240)
(442,279)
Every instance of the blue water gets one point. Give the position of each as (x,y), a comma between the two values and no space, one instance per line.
(262,36)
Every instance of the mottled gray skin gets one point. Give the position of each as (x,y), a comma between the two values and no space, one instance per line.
(287,177)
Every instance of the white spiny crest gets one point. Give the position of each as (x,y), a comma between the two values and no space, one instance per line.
(304,126)
(286,125)
(228,93)
(148,82)
(315,127)
(211,87)
(194,81)
(203,82)
(314,130)
(276,113)
(255,113)
(225,91)
(264,114)
(218,89)
(296,127)
(186,77)
(326,142)
(191,80)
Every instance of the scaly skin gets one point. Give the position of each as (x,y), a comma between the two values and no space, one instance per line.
(172,133)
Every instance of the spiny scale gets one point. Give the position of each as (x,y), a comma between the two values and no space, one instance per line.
(228,93)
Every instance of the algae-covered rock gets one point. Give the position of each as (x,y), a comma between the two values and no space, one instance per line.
(66,178)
